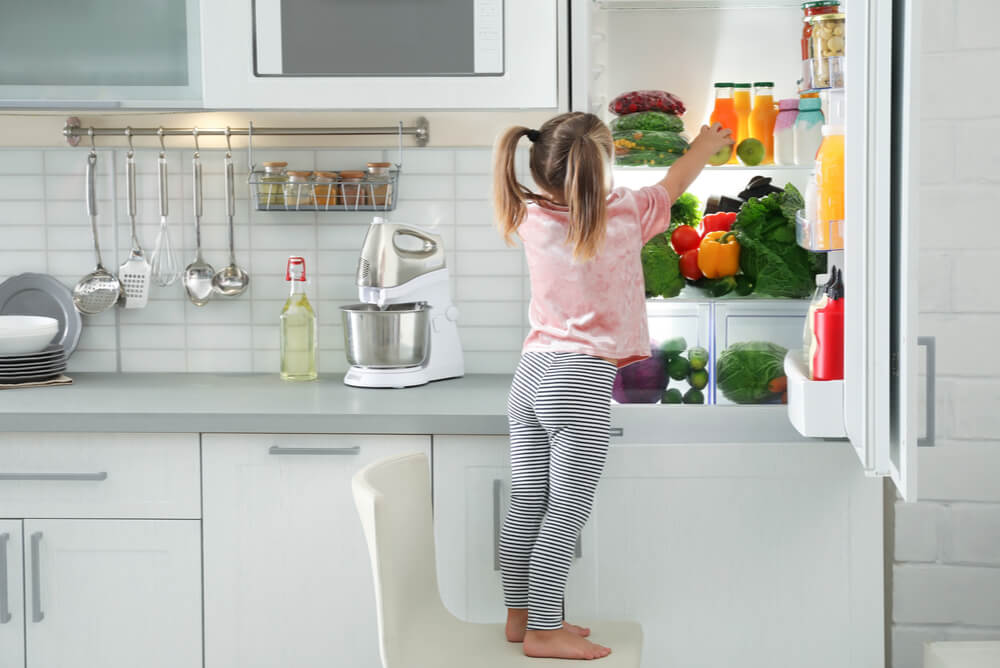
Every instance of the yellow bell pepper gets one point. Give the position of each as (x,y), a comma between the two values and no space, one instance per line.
(719,254)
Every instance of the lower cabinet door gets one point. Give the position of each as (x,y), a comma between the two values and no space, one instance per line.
(11,595)
(287,574)
(471,493)
(112,593)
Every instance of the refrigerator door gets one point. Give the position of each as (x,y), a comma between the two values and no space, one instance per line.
(881,238)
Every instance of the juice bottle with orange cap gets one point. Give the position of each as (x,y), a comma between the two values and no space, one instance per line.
(724,112)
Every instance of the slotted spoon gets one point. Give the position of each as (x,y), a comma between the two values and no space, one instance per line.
(99,290)
(134,272)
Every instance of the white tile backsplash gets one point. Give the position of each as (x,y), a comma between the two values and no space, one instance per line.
(44,227)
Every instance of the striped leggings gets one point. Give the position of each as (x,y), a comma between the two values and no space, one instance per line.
(559,411)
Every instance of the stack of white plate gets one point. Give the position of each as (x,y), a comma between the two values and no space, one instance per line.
(26,351)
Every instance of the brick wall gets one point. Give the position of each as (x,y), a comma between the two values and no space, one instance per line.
(947,547)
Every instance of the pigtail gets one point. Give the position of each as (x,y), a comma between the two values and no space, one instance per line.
(584,193)
(510,198)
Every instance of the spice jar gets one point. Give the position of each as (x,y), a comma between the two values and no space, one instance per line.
(828,41)
(325,189)
(270,187)
(353,192)
(380,188)
(298,191)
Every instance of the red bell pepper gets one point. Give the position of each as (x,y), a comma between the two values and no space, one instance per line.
(717,222)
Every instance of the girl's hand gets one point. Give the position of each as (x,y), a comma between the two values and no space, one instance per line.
(712,139)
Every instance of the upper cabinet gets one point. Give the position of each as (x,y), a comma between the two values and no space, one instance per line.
(286,54)
(344,54)
(101,54)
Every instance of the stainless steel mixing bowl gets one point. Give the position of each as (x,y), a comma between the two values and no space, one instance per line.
(390,338)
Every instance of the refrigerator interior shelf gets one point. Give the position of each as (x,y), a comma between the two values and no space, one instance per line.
(722,168)
(815,407)
(697,4)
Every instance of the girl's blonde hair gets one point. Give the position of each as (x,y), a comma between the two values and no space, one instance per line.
(567,159)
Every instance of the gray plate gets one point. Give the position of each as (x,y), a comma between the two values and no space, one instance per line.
(53,351)
(41,294)
(29,378)
(40,366)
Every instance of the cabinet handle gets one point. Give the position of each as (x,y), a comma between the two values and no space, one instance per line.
(578,550)
(4,607)
(929,342)
(36,587)
(616,431)
(497,491)
(97,477)
(278,450)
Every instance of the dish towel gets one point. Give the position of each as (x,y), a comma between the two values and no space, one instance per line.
(58,380)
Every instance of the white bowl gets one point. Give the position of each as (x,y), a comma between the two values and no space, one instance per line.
(25,334)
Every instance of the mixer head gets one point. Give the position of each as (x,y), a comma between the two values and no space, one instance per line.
(395,253)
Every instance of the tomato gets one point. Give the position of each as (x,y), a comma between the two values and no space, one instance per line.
(689,265)
(684,239)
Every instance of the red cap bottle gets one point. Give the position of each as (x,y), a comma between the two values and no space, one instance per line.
(828,332)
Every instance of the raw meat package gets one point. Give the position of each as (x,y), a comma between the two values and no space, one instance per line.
(646,100)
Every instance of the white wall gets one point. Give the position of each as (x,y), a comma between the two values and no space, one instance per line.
(947,547)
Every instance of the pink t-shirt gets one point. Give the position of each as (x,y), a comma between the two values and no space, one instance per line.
(596,306)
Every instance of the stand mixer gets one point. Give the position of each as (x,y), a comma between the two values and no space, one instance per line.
(405,331)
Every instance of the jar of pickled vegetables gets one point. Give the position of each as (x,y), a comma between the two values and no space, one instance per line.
(325,188)
(809,10)
(271,185)
(828,42)
(298,190)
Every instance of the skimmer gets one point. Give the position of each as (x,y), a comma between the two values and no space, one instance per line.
(99,290)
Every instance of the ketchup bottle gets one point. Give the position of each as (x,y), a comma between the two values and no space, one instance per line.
(827,362)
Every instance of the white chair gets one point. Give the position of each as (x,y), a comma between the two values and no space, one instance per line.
(393,497)
(954,654)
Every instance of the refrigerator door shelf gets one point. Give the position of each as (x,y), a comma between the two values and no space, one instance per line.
(815,407)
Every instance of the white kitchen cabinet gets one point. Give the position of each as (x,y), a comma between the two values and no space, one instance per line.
(471,489)
(100,54)
(287,573)
(11,594)
(112,593)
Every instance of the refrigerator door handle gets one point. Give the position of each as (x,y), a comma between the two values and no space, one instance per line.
(929,342)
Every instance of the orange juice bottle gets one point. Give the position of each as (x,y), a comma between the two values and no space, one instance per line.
(762,118)
(741,103)
(724,112)
(830,186)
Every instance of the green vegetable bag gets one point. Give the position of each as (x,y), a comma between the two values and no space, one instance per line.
(648,120)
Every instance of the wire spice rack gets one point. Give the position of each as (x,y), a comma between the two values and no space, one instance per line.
(321,191)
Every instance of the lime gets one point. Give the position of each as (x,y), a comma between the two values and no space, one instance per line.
(678,368)
(672,396)
(694,396)
(698,357)
(671,348)
(698,379)
(750,151)
(721,156)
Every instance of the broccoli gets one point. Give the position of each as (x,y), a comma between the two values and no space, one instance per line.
(660,268)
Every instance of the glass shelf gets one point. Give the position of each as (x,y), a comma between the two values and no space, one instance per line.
(722,169)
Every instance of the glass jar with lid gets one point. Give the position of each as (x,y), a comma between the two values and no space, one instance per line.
(380,183)
(829,42)
(809,10)
(271,185)
(353,192)
(325,188)
(298,190)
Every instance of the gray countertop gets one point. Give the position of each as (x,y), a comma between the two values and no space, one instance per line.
(262,403)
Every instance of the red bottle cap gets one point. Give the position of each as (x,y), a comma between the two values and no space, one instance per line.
(296,270)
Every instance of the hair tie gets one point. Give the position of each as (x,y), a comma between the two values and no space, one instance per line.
(533,135)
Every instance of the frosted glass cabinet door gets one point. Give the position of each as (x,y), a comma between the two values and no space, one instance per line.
(11,595)
(100,53)
(287,573)
(113,593)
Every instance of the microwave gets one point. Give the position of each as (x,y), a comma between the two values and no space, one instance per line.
(381,54)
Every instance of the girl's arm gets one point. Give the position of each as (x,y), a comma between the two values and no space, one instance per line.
(683,172)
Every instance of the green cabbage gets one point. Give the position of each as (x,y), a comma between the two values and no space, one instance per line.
(744,371)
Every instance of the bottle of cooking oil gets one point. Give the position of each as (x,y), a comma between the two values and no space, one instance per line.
(298,327)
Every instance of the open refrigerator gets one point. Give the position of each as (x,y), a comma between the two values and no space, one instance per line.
(683,46)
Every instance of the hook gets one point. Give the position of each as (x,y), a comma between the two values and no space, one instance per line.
(197,150)
(93,146)
(229,147)
(128,134)
(159,133)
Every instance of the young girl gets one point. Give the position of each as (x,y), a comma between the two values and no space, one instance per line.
(588,318)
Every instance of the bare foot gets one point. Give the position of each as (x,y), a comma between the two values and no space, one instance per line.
(561,644)
(517,622)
